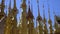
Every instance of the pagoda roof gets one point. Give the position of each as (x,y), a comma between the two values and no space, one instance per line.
(58,17)
(29,14)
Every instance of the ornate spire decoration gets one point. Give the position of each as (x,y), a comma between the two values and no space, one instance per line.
(14,3)
(23,6)
(14,19)
(56,24)
(44,21)
(30,19)
(54,16)
(39,19)
(30,15)
(24,20)
(2,16)
(38,8)
(50,21)
(10,6)
(44,15)
(7,29)
(9,10)
(2,6)
(48,9)
(14,10)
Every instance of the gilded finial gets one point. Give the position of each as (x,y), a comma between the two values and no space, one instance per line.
(44,19)
(10,6)
(39,18)
(38,8)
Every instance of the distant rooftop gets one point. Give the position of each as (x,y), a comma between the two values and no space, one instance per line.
(58,17)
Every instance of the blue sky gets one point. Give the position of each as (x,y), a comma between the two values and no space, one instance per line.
(52,4)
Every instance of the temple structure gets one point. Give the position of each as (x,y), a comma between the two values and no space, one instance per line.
(11,21)
(30,18)
(14,19)
(39,20)
(44,21)
(26,25)
(50,21)
(2,17)
(8,22)
(24,20)
(56,24)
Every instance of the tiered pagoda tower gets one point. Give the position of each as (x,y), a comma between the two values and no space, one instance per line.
(24,20)
(44,21)
(2,6)
(7,29)
(14,19)
(2,17)
(30,18)
(56,24)
(39,19)
(50,21)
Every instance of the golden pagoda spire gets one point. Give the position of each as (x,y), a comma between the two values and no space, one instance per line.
(14,19)
(30,19)
(30,15)
(10,6)
(7,29)
(49,11)
(38,8)
(44,21)
(44,15)
(2,6)
(15,4)
(56,30)
(14,10)
(9,9)
(24,20)
(31,7)
(23,6)
(50,21)
(50,24)
(54,16)
(55,24)
(39,19)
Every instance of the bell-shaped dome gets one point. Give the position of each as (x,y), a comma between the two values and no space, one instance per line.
(39,18)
